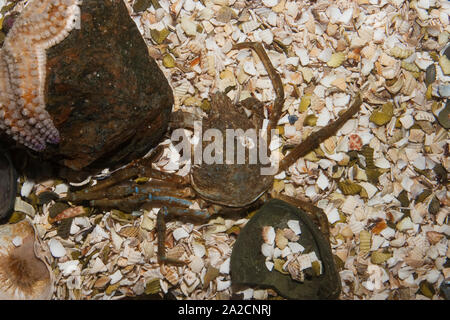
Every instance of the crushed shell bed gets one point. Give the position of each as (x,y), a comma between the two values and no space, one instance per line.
(389,248)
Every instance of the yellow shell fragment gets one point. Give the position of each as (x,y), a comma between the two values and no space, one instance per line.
(400,53)
(278,185)
(159,36)
(316,268)
(168,61)
(378,257)
(111,288)
(152,286)
(349,188)
(410,66)
(307,74)
(310,120)
(278,265)
(445,64)
(364,241)
(384,116)
(429,92)
(336,59)
(304,103)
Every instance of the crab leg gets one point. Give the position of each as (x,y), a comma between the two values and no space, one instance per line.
(111,187)
(135,201)
(316,138)
(274,77)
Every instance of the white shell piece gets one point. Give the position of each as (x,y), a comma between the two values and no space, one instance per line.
(324,118)
(382,163)
(304,261)
(333,216)
(74,228)
(26,188)
(322,181)
(285,252)
(222,285)
(225,267)
(388,233)
(269,265)
(69,267)
(405,224)
(276,253)
(268,234)
(370,188)
(266,36)
(294,225)
(198,249)
(302,53)
(270,3)
(433,276)
(407,121)
(17,241)
(180,233)
(56,248)
(116,277)
(196,264)
(61,188)
(116,239)
(325,55)
(267,250)
(25,207)
(188,26)
(97,266)
(295,247)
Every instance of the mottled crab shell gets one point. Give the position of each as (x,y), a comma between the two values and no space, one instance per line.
(23,274)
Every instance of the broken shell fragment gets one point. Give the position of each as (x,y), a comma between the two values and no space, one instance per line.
(268,234)
(400,53)
(384,116)
(280,240)
(24,275)
(56,248)
(378,257)
(364,241)
(336,59)
(444,62)
(294,225)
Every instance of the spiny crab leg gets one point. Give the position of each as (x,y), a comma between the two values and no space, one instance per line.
(141,167)
(316,138)
(125,189)
(274,77)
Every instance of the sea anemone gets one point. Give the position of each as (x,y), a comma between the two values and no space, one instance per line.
(23,274)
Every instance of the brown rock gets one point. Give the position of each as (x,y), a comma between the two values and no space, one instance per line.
(106,95)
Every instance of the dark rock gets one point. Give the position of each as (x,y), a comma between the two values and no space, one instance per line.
(141,5)
(445,289)
(8,185)
(106,95)
(248,263)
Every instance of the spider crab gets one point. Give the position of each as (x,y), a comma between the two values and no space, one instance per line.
(222,188)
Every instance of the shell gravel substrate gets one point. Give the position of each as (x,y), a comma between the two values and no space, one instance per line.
(383,185)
